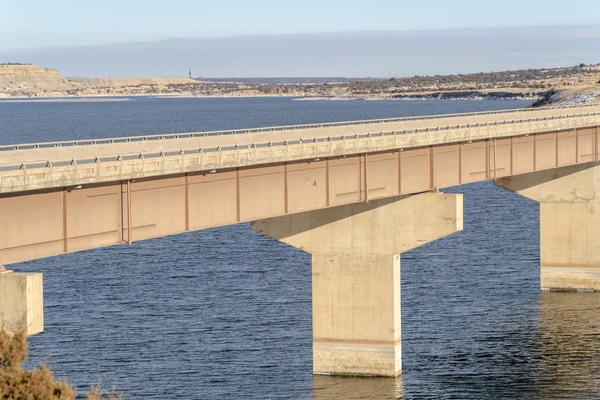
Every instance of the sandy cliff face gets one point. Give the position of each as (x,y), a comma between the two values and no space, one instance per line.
(32,79)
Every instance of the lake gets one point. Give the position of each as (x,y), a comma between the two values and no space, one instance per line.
(226,313)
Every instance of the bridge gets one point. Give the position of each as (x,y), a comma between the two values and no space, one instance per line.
(353,194)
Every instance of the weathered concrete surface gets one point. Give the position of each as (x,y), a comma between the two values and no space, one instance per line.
(356,314)
(569,200)
(356,274)
(22,301)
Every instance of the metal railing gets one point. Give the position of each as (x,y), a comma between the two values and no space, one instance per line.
(263,144)
(88,142)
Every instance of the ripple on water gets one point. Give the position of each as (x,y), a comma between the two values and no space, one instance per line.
(226,313)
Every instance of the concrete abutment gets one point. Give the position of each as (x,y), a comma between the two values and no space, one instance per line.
(569,200)
(21,302)
(356,274)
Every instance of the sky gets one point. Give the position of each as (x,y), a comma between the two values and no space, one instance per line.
(46,23)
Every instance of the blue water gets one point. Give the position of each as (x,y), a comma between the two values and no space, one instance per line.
(226,313)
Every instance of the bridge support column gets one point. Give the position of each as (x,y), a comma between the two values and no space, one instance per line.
(356,274)
(21,301)
(569,200)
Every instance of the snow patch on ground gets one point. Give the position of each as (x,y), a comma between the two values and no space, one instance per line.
(568,98)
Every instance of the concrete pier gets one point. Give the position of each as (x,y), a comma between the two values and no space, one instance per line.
(569,200)
(356,274)
(22,301)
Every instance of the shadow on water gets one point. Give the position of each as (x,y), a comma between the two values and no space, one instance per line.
(559,360)
(351,388)
(569,340)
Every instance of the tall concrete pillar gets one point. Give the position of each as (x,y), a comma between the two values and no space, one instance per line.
(356,274)
(569,200)
(21,301)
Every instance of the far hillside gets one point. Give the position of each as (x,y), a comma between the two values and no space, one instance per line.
(26,80)
(574,84)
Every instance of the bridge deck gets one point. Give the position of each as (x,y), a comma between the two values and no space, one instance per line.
(62,164)
(88,150)
(51,205)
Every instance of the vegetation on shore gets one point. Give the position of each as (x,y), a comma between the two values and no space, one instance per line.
(34,81)
(38,383)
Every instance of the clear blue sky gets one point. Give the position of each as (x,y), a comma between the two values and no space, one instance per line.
(33,23)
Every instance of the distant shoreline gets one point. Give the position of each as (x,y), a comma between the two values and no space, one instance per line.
(416,98)
(538,99)
(60,99)
(119,97)
(124,97)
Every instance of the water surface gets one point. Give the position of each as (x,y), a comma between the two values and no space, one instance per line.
(226,313)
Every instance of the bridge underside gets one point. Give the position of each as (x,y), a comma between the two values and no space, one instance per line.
(569,200)
(356,274)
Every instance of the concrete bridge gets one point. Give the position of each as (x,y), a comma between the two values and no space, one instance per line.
(353,194)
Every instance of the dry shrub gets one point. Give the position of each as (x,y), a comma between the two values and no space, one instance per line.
(96,393)
(17,383)
(38,383)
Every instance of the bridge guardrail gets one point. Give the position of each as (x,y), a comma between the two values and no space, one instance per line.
(87,142)
(300,141)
